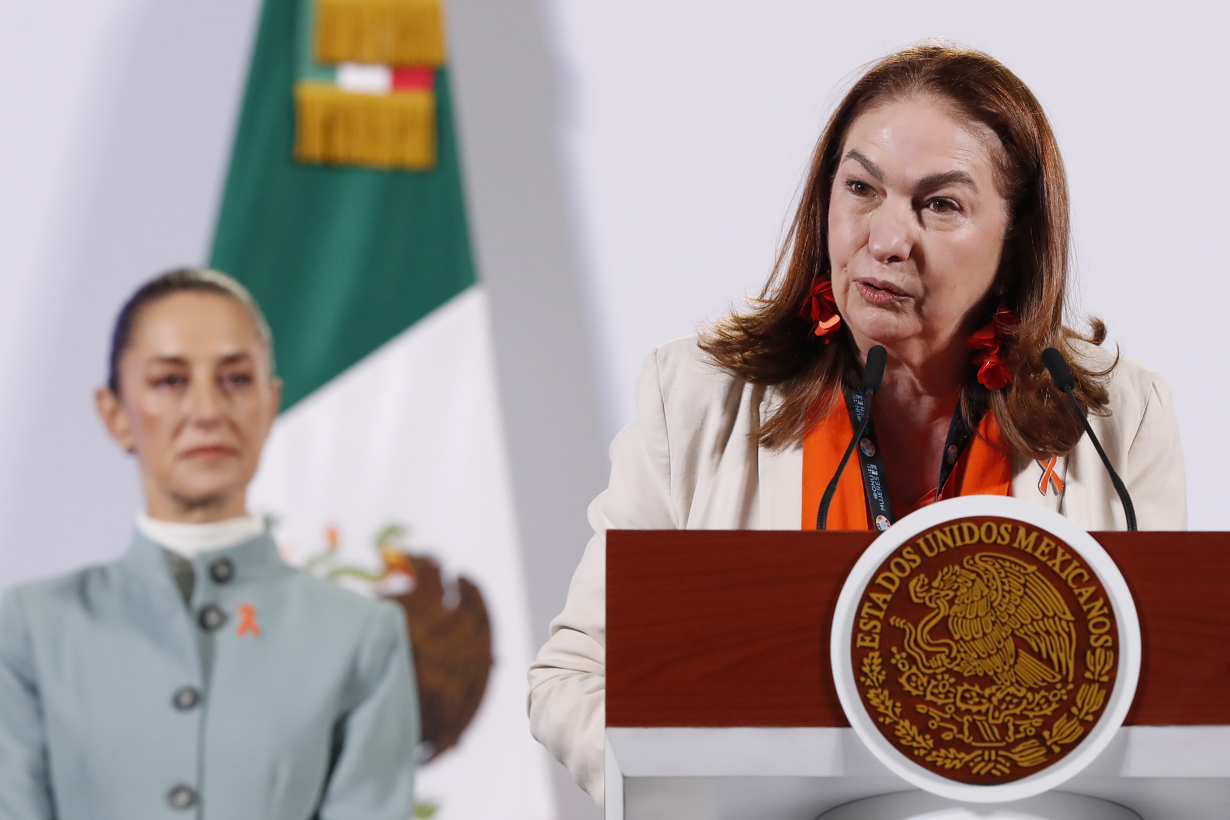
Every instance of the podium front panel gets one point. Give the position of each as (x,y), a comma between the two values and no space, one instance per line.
(731,628)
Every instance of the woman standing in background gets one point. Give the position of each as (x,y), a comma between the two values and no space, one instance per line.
(199,673)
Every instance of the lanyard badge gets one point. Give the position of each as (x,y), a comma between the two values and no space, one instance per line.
(875,484)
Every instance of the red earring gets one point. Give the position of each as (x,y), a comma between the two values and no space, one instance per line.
(993,374)
(820,309)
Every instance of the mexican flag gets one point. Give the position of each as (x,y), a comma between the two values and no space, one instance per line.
(344,214)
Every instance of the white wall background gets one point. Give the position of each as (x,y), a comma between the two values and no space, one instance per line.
(631,166)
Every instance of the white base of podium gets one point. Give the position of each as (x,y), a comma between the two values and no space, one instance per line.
(918,805)
(1159,772)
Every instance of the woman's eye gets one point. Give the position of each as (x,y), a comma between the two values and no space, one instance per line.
(858,187)
(940,205)
(171,380)
(237,379)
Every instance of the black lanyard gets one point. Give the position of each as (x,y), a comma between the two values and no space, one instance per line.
(875,484)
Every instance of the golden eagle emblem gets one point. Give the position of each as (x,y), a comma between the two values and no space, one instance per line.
(984,650)
(989,602)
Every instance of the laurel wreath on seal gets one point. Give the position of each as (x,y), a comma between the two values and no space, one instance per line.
(1029,753)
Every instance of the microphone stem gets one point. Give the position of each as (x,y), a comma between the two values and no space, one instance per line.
(1128,510)
(822,516)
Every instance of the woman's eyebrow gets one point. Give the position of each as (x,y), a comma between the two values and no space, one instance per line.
(947,178)
(867,163)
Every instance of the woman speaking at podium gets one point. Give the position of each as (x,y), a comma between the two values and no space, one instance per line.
(199,675)
(934,223)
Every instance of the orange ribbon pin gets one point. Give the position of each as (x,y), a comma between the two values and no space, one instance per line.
(247,621)
(1049,476)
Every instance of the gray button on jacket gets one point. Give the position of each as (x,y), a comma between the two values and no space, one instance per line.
(306,705)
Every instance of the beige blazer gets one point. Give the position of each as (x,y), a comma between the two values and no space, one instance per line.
(689,461)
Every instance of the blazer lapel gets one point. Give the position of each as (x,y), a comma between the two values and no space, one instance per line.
(779,476)
(781,488)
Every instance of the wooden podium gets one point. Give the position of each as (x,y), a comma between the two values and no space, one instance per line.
(721,705)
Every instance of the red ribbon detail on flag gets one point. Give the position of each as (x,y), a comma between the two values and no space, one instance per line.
(414,79)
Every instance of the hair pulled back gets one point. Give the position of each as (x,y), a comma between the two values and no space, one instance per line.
(181,280)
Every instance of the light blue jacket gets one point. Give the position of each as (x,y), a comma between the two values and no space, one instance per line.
(273,695)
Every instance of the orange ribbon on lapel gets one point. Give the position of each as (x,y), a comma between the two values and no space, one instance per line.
(1049,476)
(247,621)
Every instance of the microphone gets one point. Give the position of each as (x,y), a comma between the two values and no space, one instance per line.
(873,374)
(1062,376)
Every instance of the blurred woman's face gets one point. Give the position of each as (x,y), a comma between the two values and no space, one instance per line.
(916,226)
(197,400)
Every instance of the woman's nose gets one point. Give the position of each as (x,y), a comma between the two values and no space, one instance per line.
(891,236)
(204,402)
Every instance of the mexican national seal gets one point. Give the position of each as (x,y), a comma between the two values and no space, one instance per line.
(983,649)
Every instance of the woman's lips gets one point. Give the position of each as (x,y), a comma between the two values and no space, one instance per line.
(215,451)
(878,291)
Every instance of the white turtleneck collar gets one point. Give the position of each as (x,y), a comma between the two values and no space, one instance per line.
(187,540)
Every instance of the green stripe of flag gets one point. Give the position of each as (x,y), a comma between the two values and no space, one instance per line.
(340,259)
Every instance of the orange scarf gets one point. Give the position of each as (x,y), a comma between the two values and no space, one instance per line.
(984,468)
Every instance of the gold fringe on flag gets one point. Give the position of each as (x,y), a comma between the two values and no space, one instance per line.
(383,32)
(376,130)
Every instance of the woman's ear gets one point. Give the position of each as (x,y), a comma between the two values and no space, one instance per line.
(1004,275)
(114,417)
(275,385)
(273,404)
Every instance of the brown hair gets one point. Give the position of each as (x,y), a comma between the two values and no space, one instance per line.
(771,344)
(196,280)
